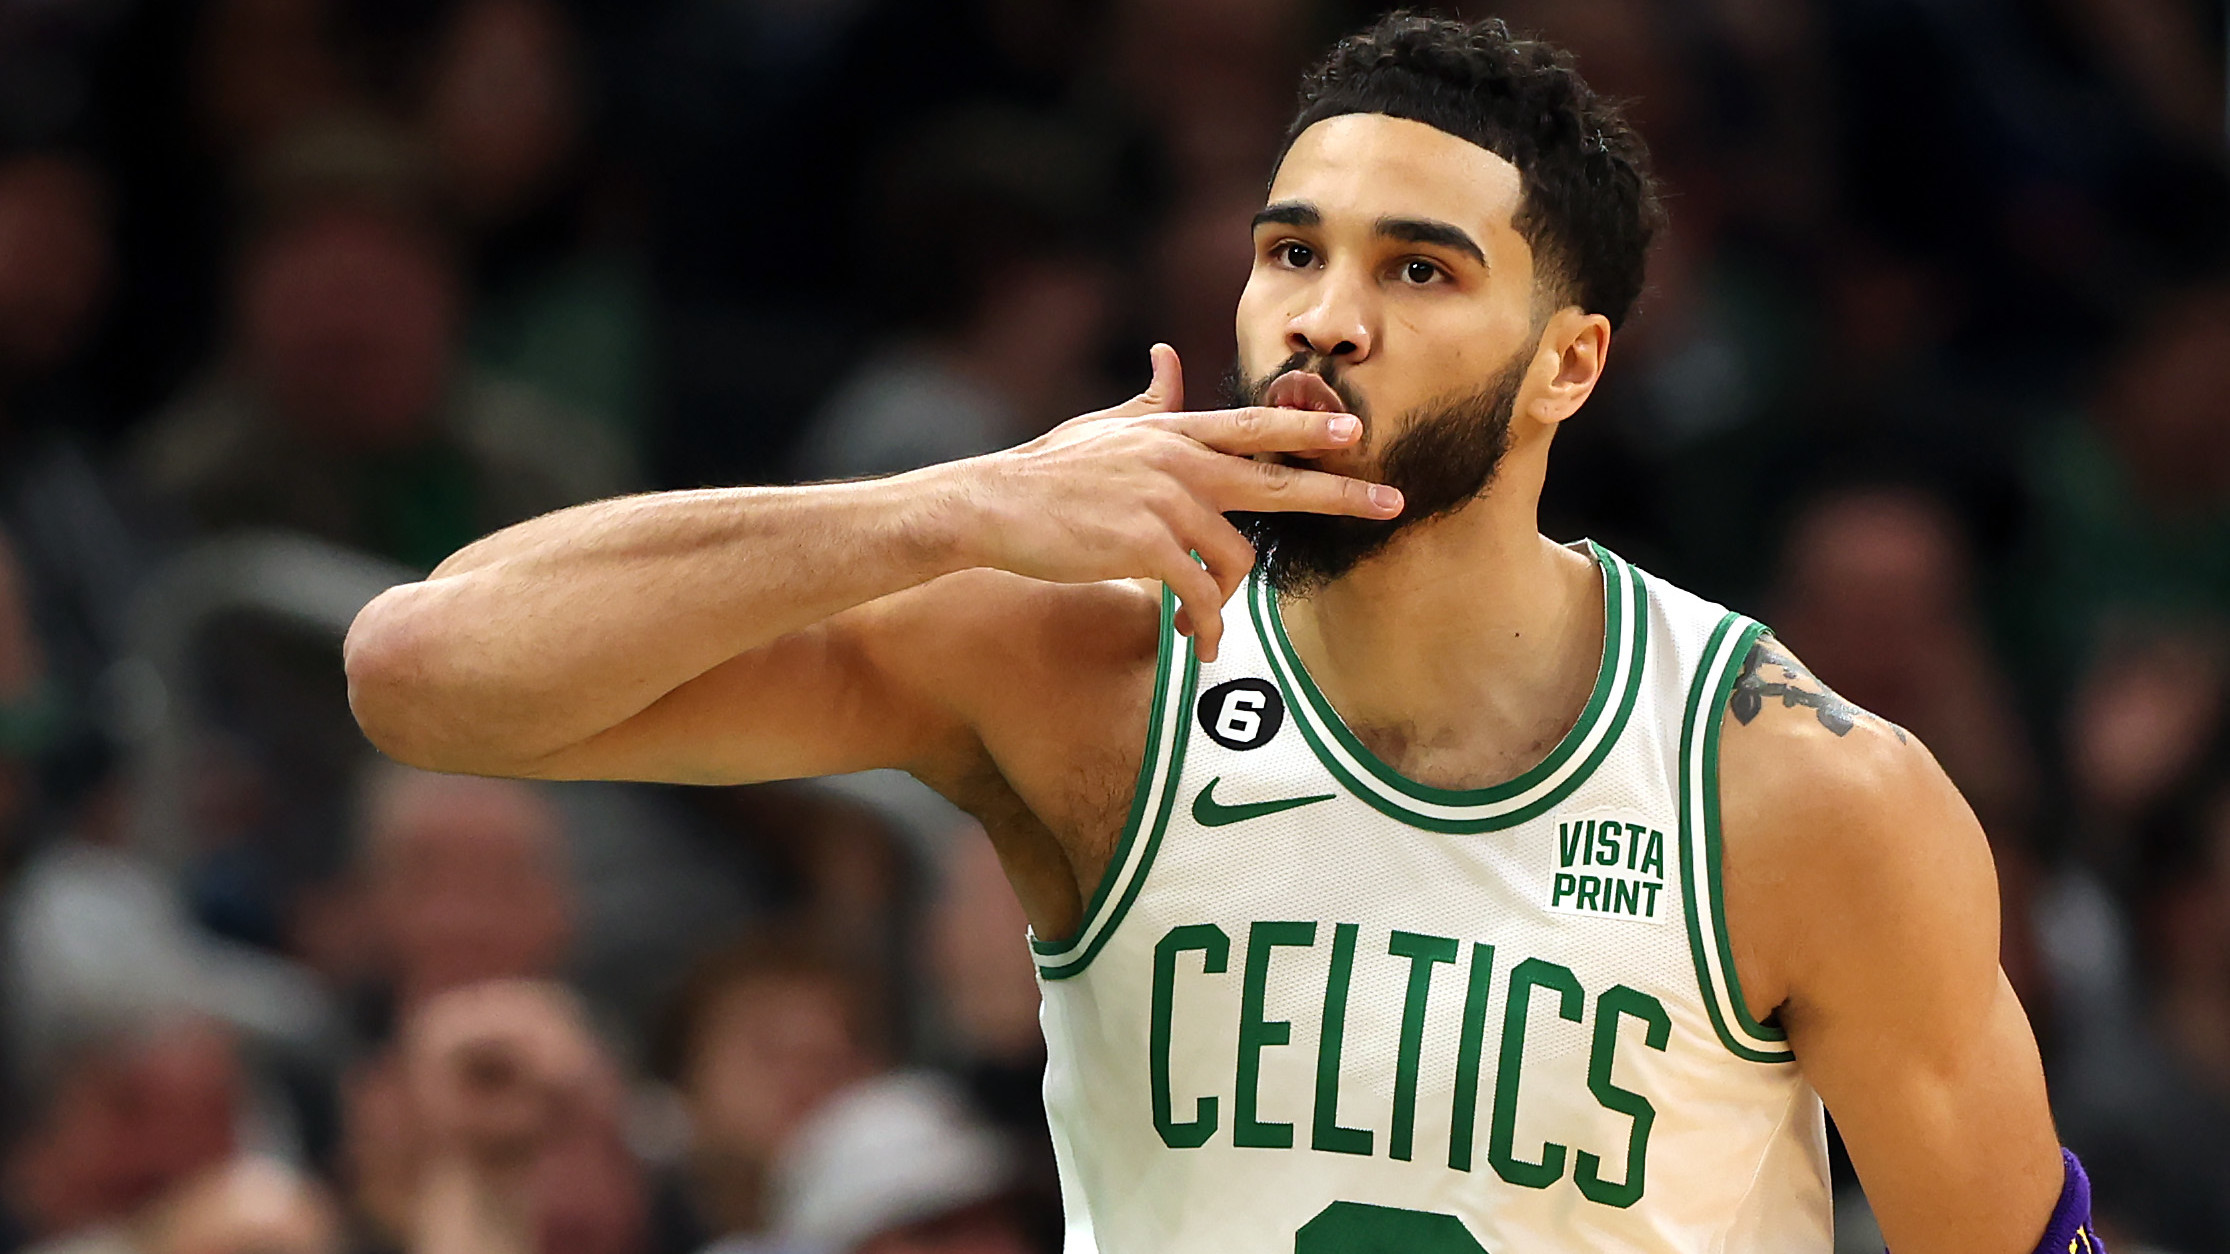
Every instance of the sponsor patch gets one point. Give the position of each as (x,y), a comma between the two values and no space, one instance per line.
(1610,865)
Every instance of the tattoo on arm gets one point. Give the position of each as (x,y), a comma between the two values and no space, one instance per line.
(1795,687)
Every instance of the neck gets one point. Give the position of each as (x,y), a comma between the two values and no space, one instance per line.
(1466,650)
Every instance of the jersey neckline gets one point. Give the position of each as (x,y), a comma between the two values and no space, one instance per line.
(1617,683)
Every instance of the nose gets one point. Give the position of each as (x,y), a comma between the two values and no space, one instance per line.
(1338,323)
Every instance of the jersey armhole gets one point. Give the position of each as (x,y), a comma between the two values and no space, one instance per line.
(1700,847)
(1152,798)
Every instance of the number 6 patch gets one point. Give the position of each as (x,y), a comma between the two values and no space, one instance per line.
(1242,713)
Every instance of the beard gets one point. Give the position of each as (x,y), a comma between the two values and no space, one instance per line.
(1444,458)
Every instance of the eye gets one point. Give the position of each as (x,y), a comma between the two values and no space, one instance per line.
(1298,256)
(1419,272)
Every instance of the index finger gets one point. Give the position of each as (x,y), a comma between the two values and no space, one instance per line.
(1259,429)
(1273,488)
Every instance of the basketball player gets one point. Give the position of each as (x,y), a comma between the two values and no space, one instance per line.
(1399,880)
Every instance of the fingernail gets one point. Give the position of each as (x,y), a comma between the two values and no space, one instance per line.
(1385,498)
(1345,427)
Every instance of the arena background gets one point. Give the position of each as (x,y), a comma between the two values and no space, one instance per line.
(296,296)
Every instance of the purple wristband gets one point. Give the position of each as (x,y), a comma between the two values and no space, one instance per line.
(2070,1232)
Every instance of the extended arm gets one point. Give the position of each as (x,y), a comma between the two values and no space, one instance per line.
(1862,902)
(540,637)
(566,646)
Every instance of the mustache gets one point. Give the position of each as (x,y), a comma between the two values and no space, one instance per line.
(1443,455)
(1240,391)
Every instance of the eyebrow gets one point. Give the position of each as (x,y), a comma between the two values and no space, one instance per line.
(1427,231)
(1289,213)
(1408,230)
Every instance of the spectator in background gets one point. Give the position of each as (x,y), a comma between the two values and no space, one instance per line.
(2134,494)
(458,880)
(760,1037)
(986,995)
(503,107)
(2150,1098)
(111,1118)
(1876,593)
(342,409)
(560,300)
(2139,730)
(250,1205)
(258,70)
(55,274)
(135,1036)
(898,1165)
(468,881)
(985,984)
(1215,78)
(1004,300)
(495,1127)
(77,560)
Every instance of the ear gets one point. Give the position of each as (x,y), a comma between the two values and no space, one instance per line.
(1574,348)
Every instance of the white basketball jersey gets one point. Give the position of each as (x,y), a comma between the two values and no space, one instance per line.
(1318,1008)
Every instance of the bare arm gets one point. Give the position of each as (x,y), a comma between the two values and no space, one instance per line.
(529,650)
(1862,903)
(546,634)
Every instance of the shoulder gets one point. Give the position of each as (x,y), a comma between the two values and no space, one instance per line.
(1789,740)
(1839,829)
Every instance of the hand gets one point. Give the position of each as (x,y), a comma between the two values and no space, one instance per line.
(496,1071)
(1135,491)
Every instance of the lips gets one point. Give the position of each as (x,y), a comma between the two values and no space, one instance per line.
(1298,389)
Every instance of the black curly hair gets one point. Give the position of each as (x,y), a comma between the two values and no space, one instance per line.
(1590,204)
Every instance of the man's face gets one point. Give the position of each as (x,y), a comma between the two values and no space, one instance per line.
(1386,251)
(1388,282)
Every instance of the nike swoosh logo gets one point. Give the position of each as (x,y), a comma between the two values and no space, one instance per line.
(1208,812)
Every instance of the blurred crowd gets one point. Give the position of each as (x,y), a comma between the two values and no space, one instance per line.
(298,296)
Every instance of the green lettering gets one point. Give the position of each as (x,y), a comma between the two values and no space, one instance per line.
(1568,838)
(1653,862)
(1626,897)
(1651,889)
(1634,834)
(1591,887)
(1255,1032)
(1564,887)
(1528,975)
(1607,846)
(1464,1115)
(1588,1173)
(1215,953)
(1325,1133)
(1361,1228)
(1422,952)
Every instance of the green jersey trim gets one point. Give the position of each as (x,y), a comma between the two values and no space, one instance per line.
(1618,682)
(1152,799)
(1700,886)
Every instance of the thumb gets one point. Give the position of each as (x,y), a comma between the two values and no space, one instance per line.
(1165,392)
